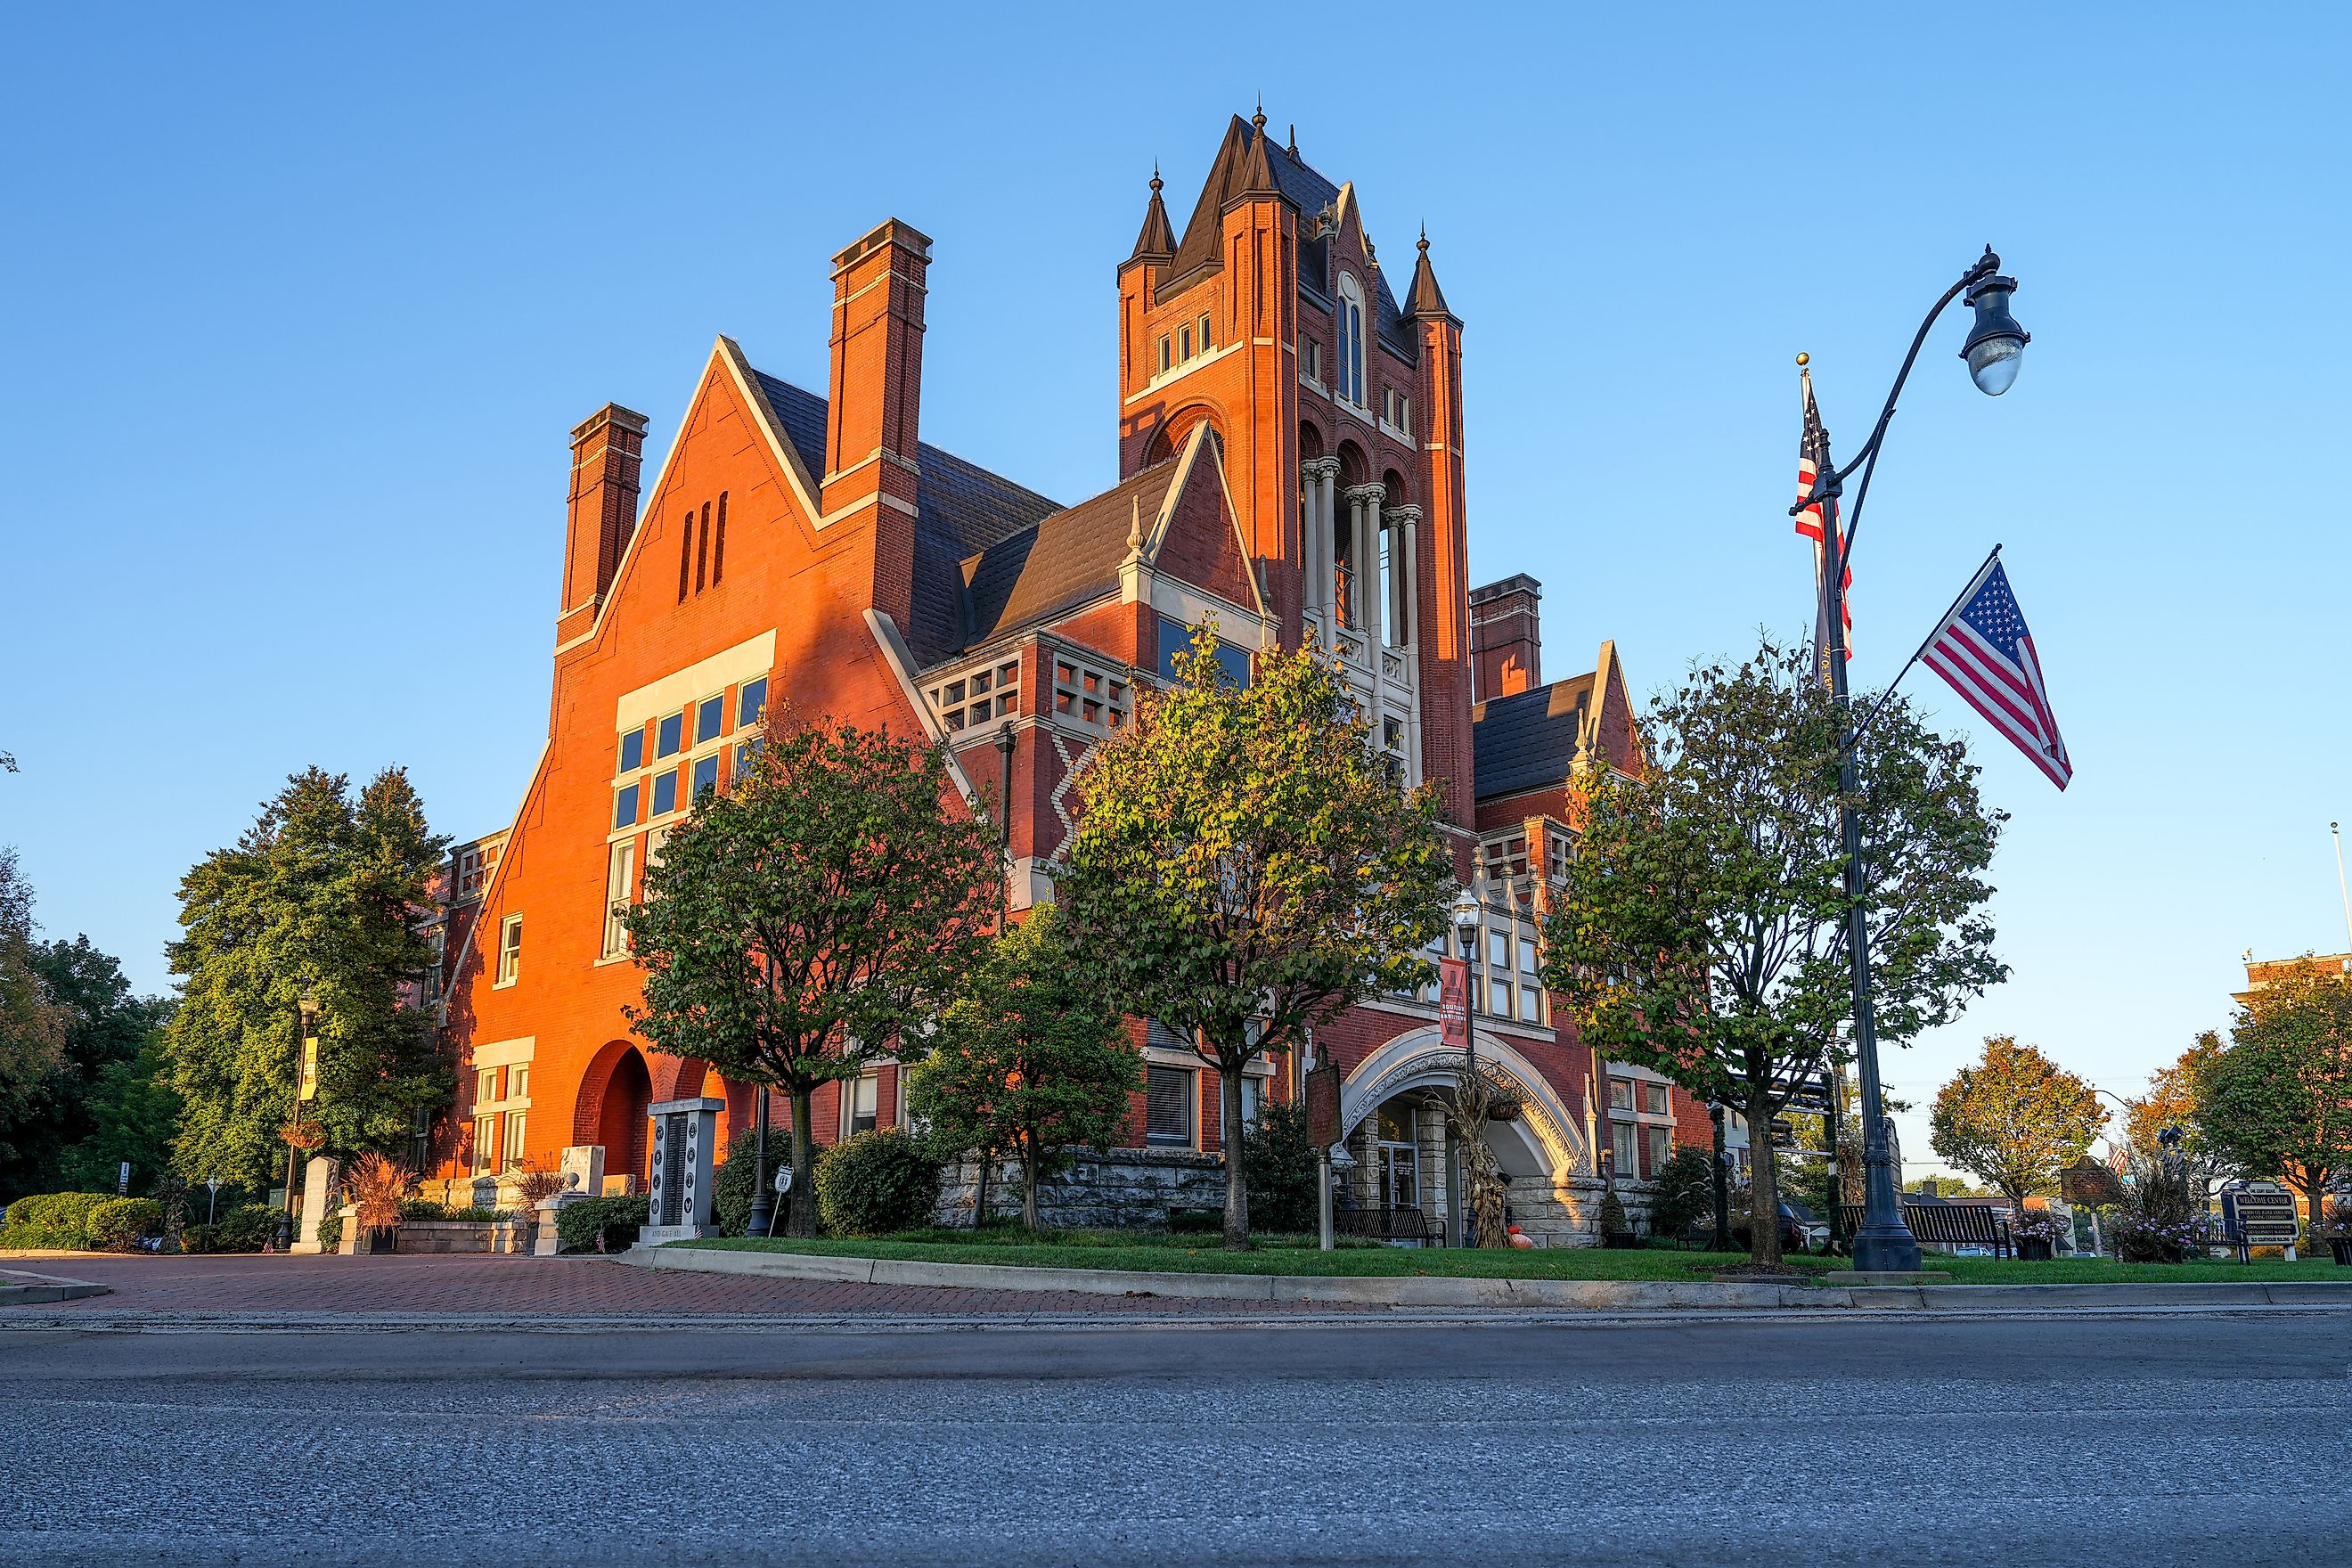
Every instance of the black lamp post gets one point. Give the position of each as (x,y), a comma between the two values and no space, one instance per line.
(762,1218)
(307,1017)
(1465,927)
(1994,345)
(1715,1113)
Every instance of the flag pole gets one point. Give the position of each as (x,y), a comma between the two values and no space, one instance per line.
(1941,621)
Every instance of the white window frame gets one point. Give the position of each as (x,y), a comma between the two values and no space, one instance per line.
(1348,386)
(1191,1100)
(509,952)
(620,891)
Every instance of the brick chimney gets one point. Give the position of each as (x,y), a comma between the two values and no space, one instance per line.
(607,450)
(1505,637)
(873,418)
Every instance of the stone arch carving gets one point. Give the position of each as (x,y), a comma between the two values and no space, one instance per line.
(1418,1058)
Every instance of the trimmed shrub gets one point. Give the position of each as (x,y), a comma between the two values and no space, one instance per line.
(875,1182)
(120,1225)
(331,1232)
(1612,1215)
(65,1212)
(732,1187)
(617,1220)
(38,1238)
(420,1208)
(1683,1192)
(246,1228)
(1278,1169)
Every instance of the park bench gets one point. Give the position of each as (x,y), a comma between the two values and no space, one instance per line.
(1385,1225)
(1946,1225)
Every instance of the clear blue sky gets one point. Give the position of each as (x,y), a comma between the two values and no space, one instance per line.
(302,303)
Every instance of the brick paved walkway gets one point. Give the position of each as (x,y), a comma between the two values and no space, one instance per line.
(552,1287)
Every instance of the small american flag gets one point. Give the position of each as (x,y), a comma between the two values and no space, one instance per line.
(1986,654)
(1809,523)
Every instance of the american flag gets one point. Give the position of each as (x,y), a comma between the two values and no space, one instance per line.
(1985,652)
(1809,523)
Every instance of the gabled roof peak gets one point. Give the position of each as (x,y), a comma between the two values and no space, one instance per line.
(1156,241)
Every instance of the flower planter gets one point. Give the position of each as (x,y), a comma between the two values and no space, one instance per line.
(2031,1249)
(1504,1110)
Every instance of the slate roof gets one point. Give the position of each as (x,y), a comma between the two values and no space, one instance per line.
(1247,162)
(990,556)
(1527,740)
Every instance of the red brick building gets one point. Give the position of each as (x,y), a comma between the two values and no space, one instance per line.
(1290,458)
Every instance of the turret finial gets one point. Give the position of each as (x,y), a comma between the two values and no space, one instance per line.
(1423,246)
(1134,527)
(1155,176)
(1294,140)
(1259,119)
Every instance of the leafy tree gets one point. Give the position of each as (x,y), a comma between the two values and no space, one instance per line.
(2172,1102)
(105,1028)
(33,1026)
(325,893)
(804,923)
(2278,1101)
(1032,1055)
(133,1115)
(1701,930)
(1249,867)
(2016,1119)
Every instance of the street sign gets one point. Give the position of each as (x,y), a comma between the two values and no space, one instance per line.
(122,1181)
(2262,1212)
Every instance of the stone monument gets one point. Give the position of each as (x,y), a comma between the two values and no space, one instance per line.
(684,1130)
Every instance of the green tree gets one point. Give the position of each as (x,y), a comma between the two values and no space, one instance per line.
(106,1028)
(325,893)
(2016,1119)
(1249,867)
(133,1116)
(1701,928)
(2171,1103)
(2278,1101)
(811,918)
(1031,1056)
(33,1025)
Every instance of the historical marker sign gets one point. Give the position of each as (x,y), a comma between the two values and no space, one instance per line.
(2262,1213)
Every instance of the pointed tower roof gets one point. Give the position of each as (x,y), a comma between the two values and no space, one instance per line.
(1240,168)
(1157,241)
(1425,298)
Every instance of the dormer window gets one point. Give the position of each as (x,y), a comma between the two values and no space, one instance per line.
(1351,341)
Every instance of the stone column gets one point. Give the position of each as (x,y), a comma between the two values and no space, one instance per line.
(317,1175)
(1405,611)
(1364,537)
(1316,478)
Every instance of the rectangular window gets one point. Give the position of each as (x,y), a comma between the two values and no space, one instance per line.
(625,806)
(706,774)
(751,703)
(1166,357)
(1184,343)
(710,719)
(1171,1095)
(519,1081)
(1253,1089)
(1315,362)
(509,949)
(654,842)
(486,1086)
(485,1144)
(510,1148)
(1654,1096)
(1206,341)
(1621,1094)
(1498,949)
(633,751)
(746,756)
(620,885)
(670,735)
(863,1101)
(1623,1140)
(1531,1002)
(1176,637)
(665,793)
(1661,1148)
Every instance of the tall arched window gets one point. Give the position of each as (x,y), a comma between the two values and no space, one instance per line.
(1351,341)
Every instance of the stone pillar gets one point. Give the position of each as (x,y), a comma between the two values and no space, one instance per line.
(585,1160)
(316,1177)
(1316,478)
(684,1130)
(1405,611)
(1364,523)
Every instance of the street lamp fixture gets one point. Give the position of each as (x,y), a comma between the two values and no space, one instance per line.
(306,1014)
(1992,350)
(1996,344)
(1465,920)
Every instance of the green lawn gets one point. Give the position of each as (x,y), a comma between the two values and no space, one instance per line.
(1131,1250)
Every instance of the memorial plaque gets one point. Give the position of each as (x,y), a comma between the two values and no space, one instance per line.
(1323,1103)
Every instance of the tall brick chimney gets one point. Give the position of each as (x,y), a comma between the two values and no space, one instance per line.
(873,415)
(607,450)
(1505,637)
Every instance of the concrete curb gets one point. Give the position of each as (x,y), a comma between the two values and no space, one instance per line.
(22,1290)
(1583,1295)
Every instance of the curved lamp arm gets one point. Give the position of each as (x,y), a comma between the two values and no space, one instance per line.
(1830,482)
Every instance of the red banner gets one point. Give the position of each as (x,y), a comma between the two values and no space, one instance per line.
(1454,1003)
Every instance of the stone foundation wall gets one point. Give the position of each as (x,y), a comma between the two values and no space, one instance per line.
(1118,1188)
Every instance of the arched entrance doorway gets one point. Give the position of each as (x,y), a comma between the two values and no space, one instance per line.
(615,1095)
(1391,1120)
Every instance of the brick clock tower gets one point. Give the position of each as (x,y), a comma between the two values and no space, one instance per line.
(1290,467)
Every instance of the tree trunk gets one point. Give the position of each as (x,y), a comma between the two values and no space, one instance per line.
(1764,1190)
(1029,1185)
(1229,1081)
(804,1193)
(984,1158)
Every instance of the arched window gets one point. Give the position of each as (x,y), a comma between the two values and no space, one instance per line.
(1351,341)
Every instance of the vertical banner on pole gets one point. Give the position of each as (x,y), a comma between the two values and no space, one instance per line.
(1454,1003)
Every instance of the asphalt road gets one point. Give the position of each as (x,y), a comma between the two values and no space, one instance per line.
(2002,1441)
